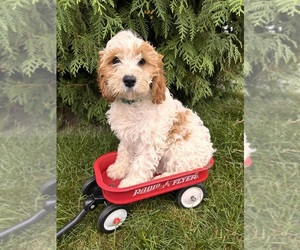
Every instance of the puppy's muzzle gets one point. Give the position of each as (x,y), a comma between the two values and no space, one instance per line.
(129,81)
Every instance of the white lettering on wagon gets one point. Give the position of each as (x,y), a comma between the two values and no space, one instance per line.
(166,184)
(146,189)
(185,179)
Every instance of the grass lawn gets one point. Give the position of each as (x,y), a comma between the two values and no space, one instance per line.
(27,160)
(272,192)
(158,223)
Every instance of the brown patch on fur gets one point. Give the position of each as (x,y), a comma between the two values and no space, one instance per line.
(179,130)
(158,89)
(154,65)
(102,86)
(187,136)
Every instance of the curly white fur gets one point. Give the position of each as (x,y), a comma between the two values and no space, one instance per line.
(157,133)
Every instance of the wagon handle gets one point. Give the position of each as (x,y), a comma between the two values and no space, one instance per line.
(49,206)
(71,224)
(89,205)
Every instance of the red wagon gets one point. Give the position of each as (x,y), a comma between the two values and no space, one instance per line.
(188,187)
(190,190)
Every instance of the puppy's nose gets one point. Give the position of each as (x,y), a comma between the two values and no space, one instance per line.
(129,81)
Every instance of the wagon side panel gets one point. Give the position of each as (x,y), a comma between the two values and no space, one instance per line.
(153,188)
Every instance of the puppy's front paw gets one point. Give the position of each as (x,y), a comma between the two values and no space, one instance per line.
(162,175)
(128,182)
(116,171)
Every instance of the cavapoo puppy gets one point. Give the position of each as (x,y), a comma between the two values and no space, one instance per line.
(157,133)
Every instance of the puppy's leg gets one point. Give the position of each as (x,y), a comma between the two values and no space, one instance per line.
(142,167)
(185,156)
(119,169)
(168,164)
(165,174)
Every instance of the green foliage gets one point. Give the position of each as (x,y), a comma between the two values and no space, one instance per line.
(271,52)
(202,44)
(27,49)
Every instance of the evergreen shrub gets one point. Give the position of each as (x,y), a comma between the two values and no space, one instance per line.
(28,62)
(202,44)
(272,44)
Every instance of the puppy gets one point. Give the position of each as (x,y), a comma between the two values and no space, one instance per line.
(157,133)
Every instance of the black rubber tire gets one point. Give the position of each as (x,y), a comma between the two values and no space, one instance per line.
(110,213)
(90,187)
(184,197)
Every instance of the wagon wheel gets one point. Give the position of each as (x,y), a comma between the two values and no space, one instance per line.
(112,217)
(190,197)
(90,187)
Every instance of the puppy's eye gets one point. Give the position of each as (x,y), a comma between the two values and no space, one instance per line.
(116,60)
(142,62)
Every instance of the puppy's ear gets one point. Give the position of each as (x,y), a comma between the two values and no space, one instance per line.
(159,84)
(155,67)
(102,80)
(158,88)
(102,86)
